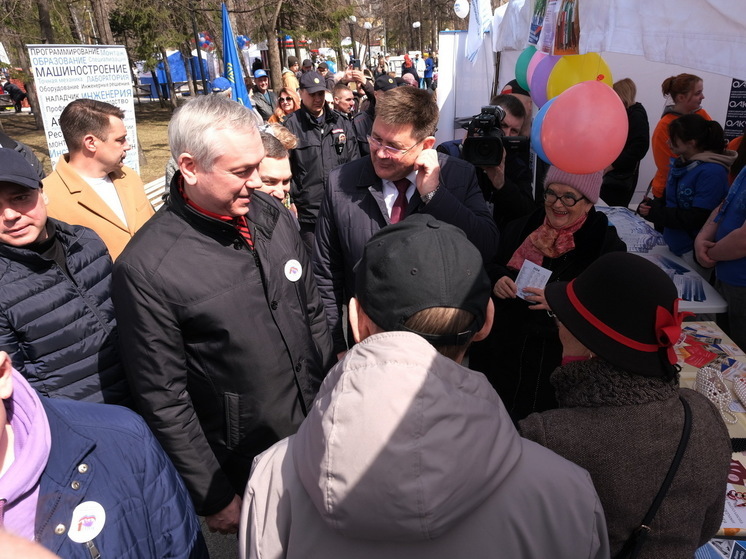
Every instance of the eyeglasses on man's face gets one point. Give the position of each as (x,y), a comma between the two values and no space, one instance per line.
(396,153)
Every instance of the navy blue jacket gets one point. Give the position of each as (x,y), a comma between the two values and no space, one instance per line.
(108,455)
(60,330)
(353,209)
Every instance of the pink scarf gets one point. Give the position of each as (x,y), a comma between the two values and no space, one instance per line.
(546,241)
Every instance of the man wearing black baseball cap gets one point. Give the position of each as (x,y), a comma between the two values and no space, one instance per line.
(58,322)
(326,140)
(405,453)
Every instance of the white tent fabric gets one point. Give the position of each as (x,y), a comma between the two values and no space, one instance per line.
(510,26)
(480,21)
(707,35)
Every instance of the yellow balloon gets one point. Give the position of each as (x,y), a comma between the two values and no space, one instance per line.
(576,68)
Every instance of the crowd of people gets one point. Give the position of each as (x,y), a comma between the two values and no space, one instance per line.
(322,344)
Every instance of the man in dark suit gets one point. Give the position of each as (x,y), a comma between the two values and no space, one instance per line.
(403,175)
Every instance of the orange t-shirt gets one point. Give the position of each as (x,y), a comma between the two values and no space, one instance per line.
(662,153)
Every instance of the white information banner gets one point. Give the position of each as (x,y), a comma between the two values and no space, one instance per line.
(63,73)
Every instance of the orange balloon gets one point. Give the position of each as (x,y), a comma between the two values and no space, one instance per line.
(585,129)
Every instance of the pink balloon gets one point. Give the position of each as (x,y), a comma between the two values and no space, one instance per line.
(585,129)
(540,78)
(535,59)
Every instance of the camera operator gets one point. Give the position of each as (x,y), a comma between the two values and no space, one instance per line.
(507,186)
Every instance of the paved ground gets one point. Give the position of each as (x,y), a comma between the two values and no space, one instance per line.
(220,546)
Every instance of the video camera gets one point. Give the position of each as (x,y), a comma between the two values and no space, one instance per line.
(485,139)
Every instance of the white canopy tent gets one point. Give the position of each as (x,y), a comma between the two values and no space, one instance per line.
(645,40)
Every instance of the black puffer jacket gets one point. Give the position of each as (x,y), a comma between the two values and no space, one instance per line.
(225,349)
(60,330)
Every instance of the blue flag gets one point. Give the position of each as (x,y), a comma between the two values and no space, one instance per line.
(231,64)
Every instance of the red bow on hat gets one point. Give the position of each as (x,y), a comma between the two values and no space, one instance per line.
(668,328)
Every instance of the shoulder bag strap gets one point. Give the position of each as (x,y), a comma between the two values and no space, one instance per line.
(633,545)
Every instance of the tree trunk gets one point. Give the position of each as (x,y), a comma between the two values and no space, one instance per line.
(169,81)
(433,27)
(186,55)
(24,62)
(275,64)
(132,69)
(103,29)
(75,23)
(157,85)
(268,23)
(45,22)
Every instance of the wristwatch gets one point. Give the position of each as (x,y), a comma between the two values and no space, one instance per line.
(429,196)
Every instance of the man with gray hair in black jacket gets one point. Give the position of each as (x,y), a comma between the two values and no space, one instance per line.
(223,332)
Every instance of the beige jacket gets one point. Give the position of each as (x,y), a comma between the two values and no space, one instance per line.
(405,454)
(72,200)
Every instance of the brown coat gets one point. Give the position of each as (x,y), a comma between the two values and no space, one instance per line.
(72,200)
(624,429)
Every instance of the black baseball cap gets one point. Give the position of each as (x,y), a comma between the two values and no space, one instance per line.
(421,263)
(384,83)
(15,169)
(312,82)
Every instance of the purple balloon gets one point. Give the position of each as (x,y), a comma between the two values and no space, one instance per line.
(540,78)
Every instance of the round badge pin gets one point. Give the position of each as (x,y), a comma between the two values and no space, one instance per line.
(87,522)
(293,270)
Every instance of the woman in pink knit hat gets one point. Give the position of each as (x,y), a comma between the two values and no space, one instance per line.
(564,236)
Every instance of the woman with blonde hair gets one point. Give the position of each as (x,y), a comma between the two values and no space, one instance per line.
(620,178)
(288,102)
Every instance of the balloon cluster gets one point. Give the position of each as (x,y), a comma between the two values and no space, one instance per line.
(243,41)
(582,124)
(205,42)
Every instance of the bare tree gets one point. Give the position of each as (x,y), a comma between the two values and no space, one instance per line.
(101,17)
(45,21)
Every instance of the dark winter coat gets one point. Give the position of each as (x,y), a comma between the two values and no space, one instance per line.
(354,209)
(60,330)
(320,149)
(225,347)
(108,455)
(523,347)
(624,429)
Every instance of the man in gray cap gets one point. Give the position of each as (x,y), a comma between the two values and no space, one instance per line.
(405,453)
(325,141)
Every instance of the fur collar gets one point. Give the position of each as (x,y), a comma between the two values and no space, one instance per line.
(596,383)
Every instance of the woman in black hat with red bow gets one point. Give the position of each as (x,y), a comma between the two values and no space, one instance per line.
(623,416)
